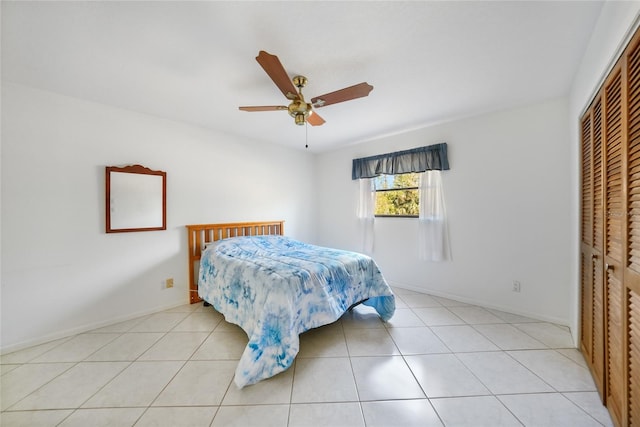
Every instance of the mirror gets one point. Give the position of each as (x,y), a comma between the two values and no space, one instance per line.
(136,199)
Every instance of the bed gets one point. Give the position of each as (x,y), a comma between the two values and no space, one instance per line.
(276,288)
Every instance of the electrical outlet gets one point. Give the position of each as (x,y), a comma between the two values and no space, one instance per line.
(168,283)
(516,286)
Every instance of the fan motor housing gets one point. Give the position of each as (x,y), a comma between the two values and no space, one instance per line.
(299,110)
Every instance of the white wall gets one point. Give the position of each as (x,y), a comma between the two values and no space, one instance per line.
(508,200)
(60,272)
(615,26)
(512,196)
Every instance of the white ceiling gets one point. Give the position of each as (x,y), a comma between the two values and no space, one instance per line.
(195,61)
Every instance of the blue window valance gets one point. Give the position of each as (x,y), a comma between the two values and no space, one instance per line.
(431,157)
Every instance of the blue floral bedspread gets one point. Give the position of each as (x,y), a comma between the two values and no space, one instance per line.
(275,288)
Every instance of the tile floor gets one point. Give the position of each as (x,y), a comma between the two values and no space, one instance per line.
(436,362)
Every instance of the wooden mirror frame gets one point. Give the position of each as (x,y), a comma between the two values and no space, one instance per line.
(135,226)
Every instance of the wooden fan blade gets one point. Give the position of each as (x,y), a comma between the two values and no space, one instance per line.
(264,108)
(314,119)
(346,94)
(276,71)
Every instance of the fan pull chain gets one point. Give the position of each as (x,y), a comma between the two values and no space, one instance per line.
(306,134)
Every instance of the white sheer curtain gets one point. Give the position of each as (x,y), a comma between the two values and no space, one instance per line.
(433,232)
(366,210)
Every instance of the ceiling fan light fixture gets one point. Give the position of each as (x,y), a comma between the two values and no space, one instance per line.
(300,119)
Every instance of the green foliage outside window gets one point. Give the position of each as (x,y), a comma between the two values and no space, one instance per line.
(397,195)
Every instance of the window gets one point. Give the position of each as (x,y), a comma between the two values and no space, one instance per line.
(397,195)
(391,187)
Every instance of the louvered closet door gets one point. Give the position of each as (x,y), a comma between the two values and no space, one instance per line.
(631,289)
(611,189)
(586,327)
(592,335)
(615,388)
(612,312)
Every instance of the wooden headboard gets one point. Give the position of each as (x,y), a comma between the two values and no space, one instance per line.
(201,234)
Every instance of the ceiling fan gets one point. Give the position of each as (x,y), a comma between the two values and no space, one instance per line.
(298,108)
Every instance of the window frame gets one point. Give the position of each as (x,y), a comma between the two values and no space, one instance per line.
(382,190)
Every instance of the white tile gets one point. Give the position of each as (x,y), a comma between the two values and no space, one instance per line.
(30,353)
(126,347)
(138,385)
(590,402)
(573,354)
(463,338)
(103,417)
(159,322)
(400,302)
(49,418)
(120,327)
(251,416)
(551,335)
(403,318)
(370,342)
(225,326)
(555,369)
(443,375)
(222,346)
(274,390)
(420,300)
(477,411)
(502,374)
(384,378)
(326,341)
(4,369)
(417,341)
(77,348)
(178,416)
(406,413)
(326,414)
(338,378)
(184,308)
(475,315)
(401,291)
(512,318)
(21,381)
(448,302)
(201,307)
(199,322)
(323,379)
(199,383)
(361,317)
(336,327)
(175,346)
(548,410)
(434,316)
(73,387)
(508,337)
